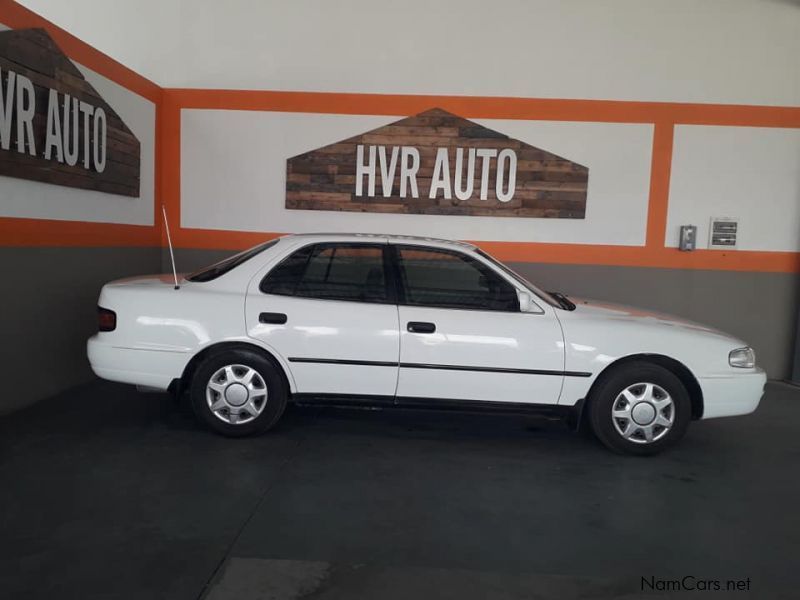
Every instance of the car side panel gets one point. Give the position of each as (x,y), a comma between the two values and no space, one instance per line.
(332,347)
(496,356)
(159,330)
(592,345)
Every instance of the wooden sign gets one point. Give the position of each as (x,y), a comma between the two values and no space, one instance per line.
(437,163)
(54,126)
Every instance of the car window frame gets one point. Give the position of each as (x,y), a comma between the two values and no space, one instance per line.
(400,282)
(388,280)
(519,280)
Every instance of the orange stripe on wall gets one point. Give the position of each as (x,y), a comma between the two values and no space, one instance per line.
(168,140)
(47,232)
(490,107)
(217,239)
(660,169)
(637,256)
(16,16)
(537,252)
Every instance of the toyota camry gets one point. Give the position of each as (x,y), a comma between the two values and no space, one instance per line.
(396,321)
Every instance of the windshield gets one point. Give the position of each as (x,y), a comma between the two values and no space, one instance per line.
(223,266)
(546,296)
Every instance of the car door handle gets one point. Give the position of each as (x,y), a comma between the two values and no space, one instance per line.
(421,327)
(272,318)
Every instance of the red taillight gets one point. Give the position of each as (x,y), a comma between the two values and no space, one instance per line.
(106,319)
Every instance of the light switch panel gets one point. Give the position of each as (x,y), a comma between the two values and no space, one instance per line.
(688,239)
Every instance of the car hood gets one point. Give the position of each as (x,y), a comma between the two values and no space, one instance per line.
(607,311)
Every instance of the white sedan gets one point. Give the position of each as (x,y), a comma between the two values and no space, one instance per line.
(394,321)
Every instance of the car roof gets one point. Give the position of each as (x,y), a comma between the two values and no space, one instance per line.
(390,238)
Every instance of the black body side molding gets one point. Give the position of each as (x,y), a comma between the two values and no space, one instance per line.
(406,365)
(571,414)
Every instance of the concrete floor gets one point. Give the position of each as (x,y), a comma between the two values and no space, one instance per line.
(106,493)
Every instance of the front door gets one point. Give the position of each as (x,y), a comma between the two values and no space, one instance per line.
(463,337)
(328,309)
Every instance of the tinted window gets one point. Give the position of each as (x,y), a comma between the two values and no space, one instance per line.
(284,278)
(223,266)
(333,272)
(546,296)
(452,280)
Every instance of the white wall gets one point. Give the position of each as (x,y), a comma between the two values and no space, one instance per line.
(36,200)
(724,51)
(747,172)
(233,177)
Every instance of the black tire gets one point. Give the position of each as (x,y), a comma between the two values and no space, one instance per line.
(272,378)
(606,394)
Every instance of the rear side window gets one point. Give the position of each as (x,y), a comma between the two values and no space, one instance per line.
(284,279)
(224,266)
(445,279)
(353,272)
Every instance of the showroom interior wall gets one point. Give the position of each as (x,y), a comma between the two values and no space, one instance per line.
(645,181)
(59,245)
(681,111)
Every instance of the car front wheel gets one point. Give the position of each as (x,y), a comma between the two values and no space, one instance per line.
(238,393)
(639,408)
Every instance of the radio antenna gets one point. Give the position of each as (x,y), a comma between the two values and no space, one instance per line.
(169,242)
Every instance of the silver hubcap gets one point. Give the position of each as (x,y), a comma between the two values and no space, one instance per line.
(236,394)
(643,413)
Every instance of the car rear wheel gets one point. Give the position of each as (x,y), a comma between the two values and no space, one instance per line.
(238,392)
(639,408)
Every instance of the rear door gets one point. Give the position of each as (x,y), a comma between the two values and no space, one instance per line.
(328,309)
(463,337)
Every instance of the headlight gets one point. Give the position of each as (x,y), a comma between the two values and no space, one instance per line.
(744,358)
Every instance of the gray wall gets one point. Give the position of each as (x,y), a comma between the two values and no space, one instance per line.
(796,369)
(187,260)
(48,305)
(760,308)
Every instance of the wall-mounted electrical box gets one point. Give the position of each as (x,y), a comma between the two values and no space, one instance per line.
(722,233)
(688,239)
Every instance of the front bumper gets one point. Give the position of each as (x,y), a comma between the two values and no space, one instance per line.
(730,395)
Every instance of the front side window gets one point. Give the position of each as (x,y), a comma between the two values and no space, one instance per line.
(546,296)
(353,272)
(446,279)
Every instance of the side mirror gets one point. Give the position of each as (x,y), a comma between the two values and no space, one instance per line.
(525,301)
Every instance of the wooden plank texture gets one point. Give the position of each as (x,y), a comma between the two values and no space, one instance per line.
(33,54)
(547,185)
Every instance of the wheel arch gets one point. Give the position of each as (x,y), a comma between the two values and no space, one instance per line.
(674,366)
(182,383)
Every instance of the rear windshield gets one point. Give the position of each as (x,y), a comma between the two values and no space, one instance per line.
(223,266)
